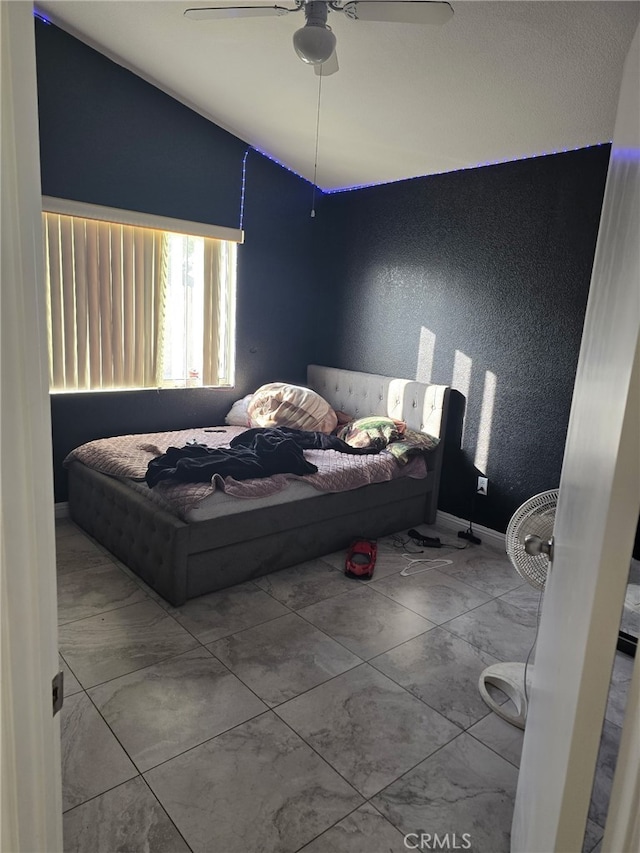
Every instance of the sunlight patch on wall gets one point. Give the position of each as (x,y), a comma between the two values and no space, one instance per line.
(426,349)
(461,380)
(486,420)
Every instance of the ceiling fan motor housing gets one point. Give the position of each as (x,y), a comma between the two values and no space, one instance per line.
(314,43)
(316,12)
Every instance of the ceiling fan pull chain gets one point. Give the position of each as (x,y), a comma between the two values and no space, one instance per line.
(315,164)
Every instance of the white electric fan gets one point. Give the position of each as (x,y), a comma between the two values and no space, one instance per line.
(529,544)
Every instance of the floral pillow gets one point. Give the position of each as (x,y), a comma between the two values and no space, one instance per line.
(412,443)
(373,431)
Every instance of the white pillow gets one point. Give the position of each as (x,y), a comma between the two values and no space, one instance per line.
(280,404)
(238,415)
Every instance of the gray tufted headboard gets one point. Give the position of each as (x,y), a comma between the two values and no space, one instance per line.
(423,407)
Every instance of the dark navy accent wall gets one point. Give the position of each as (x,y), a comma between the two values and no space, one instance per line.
(110,138)
(493,264)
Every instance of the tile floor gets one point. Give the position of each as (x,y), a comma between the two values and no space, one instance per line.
(304,711)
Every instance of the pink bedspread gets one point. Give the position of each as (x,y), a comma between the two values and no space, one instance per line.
(127,457)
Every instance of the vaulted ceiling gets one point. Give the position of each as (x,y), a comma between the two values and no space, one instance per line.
(499,81)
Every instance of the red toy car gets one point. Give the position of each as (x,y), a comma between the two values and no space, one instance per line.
(361,559)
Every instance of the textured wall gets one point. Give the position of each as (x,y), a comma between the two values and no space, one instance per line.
(467,278)
(110,138)
(477,279)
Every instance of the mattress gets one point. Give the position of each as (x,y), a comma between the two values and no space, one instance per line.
(219,504)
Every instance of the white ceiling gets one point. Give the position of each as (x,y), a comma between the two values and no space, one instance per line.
(499,81)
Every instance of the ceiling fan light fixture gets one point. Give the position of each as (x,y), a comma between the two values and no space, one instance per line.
(314,44)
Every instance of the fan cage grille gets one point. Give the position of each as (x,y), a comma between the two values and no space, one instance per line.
(536,516)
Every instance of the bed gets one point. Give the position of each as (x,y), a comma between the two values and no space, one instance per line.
(182,559)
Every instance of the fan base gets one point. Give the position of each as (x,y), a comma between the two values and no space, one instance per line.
(509,678)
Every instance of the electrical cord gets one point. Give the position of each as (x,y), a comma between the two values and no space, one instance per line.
(469,533)
(399,542)
(414,538)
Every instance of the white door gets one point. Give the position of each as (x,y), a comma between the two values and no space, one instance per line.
(597,514)
(31,816)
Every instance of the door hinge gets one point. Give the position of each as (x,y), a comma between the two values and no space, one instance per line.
(57,692)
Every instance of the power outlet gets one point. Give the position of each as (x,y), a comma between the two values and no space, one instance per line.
(483,486)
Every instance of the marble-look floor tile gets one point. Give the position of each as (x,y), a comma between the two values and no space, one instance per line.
(103,647)
(489,573)
(218,614)
(76,551)
(605,769)
(282,658)
(592,837)
(92,759)
(365,622)
(305,583)
(71,683)
(127,818)
(500,736)
(65,527)
(462,788)
(619,688)
(630,620)
(443,671)
(499,628)
(526,598)
(431,594)
(363,831)
(168,708)
(367,727)
(255,788)
(149,591)
(93,590)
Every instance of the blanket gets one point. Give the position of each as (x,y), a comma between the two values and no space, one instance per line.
(128,457)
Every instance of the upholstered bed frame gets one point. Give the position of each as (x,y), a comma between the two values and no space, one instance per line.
(183,560)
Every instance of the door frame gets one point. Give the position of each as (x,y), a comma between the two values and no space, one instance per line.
(596,519)
(30,769)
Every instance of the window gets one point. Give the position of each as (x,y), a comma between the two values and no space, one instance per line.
(134,305)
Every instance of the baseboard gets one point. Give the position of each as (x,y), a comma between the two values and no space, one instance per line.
(452,522)
(62,509)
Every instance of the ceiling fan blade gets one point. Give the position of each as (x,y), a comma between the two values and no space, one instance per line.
(330,66)
(399,11)
(216,12)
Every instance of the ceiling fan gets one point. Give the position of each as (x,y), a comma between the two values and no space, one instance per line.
(315,43)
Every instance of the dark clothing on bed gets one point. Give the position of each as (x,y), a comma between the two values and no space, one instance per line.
(254,453)
(304,439)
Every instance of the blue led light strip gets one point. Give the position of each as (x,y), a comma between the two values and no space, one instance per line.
(282,165)
(41,17)
(463,168)
(625,153)
(244,184)
(430,174)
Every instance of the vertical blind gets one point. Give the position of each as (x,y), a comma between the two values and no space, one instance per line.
(107,286)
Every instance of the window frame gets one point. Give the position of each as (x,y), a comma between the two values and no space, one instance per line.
(71,207)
